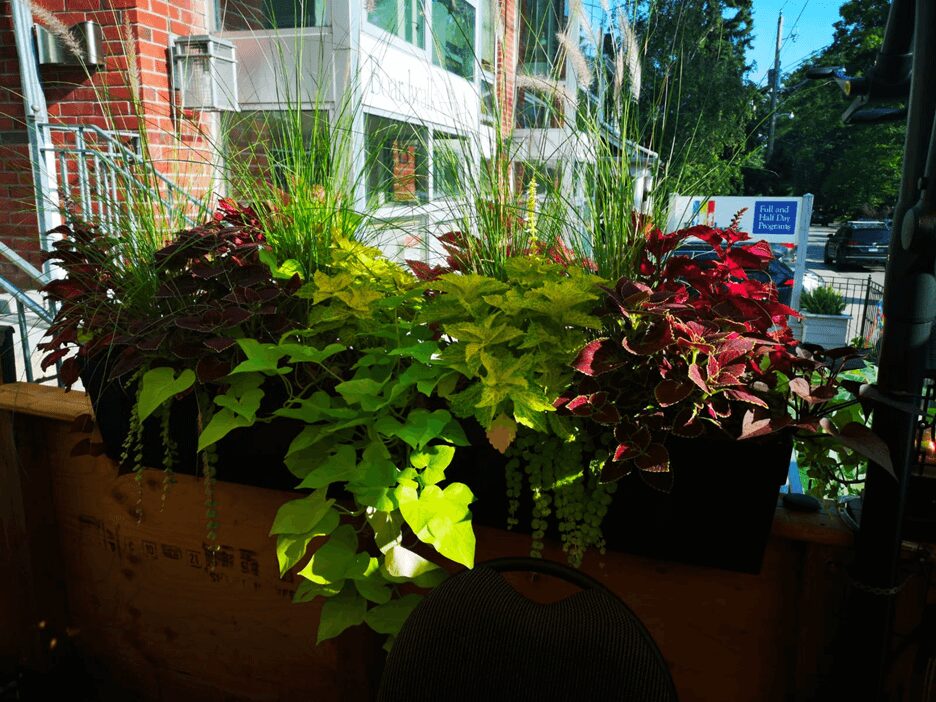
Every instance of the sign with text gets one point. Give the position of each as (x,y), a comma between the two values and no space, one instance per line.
(776,219)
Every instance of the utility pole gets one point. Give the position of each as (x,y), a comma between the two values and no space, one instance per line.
(774,89)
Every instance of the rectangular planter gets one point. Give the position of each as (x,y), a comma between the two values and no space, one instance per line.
(827,330)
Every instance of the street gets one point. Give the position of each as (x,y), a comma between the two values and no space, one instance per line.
(814,262)
(851,282)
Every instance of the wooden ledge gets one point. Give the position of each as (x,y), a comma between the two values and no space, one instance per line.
(44,401)
(824,527)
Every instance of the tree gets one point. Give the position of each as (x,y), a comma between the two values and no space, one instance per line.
(696,106)
(852,170)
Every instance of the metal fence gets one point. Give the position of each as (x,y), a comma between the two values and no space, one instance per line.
(863,302)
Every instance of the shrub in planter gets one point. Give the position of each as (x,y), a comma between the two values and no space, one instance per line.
(823,321)
(823,300)
(695,351)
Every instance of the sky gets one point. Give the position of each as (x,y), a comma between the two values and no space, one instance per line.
(807,27)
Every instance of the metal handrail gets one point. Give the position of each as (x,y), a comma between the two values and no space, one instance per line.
(116,160)
(20,296)
(105,164)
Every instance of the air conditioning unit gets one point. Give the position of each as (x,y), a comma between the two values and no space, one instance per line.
(205,73)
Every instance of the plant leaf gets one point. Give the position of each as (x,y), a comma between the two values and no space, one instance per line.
(388,618)
(158,385)
(222,423)
(669,392)
(344,610)
(300,516)
(502,432)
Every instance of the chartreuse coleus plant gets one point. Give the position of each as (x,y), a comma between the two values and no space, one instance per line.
(511,343)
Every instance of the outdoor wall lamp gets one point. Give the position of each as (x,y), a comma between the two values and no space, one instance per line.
(51,50)
(205,73)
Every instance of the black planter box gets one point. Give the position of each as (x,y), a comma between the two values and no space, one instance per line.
(718,514)
(251,455)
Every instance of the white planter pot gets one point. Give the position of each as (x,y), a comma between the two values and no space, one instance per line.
(828,330)
(796,326)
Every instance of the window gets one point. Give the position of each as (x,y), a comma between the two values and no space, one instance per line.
(488,42)
(397,162)
(537,111)
(453,36)
(488,101)
(540,22)
(234,15)
(449,154)
(279,147)
(402,18)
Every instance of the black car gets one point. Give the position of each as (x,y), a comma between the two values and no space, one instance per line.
(858,242)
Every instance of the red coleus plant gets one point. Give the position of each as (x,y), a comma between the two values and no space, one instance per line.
(204,289)
(696,346)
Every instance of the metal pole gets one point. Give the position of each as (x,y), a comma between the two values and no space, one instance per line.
(774,89)
(864,310)
(37,117)
(865,649)
(24,341)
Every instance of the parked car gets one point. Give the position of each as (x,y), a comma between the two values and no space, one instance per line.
(778,272)
(864,242)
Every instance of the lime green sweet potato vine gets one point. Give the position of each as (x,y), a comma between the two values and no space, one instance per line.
(376,439)
(511,343)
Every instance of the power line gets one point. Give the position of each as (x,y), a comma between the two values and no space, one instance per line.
(795,22)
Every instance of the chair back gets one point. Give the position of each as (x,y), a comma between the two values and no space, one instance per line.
(476,638)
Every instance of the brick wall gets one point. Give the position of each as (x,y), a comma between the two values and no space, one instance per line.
(507,62)
(130,92)
(404,172)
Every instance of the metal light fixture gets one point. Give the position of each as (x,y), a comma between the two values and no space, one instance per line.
(52,51)
(205,73)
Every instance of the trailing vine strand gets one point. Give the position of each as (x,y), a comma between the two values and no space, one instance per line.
(170,453)
(565,488)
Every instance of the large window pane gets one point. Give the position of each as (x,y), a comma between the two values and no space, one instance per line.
(292,152)
(449,166)
(540,22)
(488,102)
(403,18)
(234,15)
(397,162)
(453,36)
(488,29)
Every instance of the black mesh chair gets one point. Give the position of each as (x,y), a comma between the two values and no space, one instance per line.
(476,638)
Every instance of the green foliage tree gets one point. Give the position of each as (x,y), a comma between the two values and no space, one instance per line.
(852,170)
(696,105)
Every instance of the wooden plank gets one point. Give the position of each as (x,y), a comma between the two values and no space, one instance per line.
(823,527)
(154,615)
(33,616)
(166,620)
(44,401)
